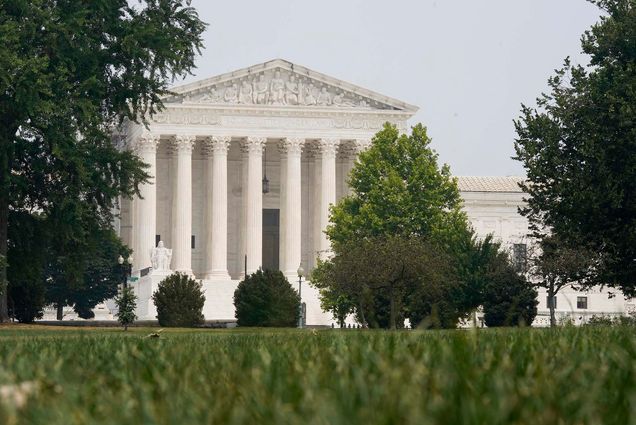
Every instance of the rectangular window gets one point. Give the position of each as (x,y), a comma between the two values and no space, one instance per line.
(157,239)
(193,242)
(581,302)
(519,257)
(554,300)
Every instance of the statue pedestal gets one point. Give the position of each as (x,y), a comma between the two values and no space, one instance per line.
(144,289)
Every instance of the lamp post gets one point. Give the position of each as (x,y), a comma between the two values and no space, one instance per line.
(125,267)
(301,273)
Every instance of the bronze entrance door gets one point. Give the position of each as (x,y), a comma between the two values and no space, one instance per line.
(271,236)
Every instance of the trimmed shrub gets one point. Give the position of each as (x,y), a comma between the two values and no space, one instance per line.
(266,298)
(179,300)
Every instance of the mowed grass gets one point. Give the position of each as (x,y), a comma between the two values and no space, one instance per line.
(525,376)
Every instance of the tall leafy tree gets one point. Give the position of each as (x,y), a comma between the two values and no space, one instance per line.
(556,266)
(400,193)
(398,188)
(69,71)
(578,147)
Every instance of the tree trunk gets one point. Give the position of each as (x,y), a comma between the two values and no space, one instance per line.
(60,311)
(5,146)
(392,318)
(551,295)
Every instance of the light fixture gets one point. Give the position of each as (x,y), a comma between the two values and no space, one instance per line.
(130,259)
(120,260)
(265,180)
(300,271)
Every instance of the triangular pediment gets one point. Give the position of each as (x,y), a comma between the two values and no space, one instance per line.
(280,83)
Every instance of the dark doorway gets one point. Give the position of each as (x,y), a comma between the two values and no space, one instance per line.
(271,236)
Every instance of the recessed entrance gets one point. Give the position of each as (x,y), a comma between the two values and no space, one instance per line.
(271,237)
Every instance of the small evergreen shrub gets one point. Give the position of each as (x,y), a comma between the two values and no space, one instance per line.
(266,298)
(126,304)
(179,300)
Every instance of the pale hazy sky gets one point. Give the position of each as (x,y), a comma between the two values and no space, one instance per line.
(468,64)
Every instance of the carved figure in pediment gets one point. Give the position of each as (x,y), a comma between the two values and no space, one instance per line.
(341,100)
(245,95)
(363,103)
(213,96)
(231,94)
(324,98)
(309,98)
(261,90)
(291,91)
(277,90)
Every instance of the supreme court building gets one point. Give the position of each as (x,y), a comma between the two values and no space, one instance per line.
(245,166)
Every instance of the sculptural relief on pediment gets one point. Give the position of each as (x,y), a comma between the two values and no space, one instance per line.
(278,87)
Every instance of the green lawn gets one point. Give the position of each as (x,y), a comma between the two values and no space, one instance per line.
(528,376)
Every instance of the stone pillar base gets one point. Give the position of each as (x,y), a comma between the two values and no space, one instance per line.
(217,275)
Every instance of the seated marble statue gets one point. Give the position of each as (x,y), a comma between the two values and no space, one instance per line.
(160,257)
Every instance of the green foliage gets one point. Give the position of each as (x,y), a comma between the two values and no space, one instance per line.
(402,245)
(509,299)
(126,304)
(596,320)
(89,275)
(385,279)
(179,300)
(398,189)
(579,150)
(490,376)
(265,298)
(28,243)
(557,265)
(70,72)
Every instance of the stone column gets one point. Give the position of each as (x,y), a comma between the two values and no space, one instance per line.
(145,208)
(182,200)
(327,149)
(216,149)
(351,154)
(253,202)
(290,150)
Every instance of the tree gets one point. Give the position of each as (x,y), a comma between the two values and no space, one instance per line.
(579,150)
(89,275)
(378,276)
(557,265)
(179,300)
(509,300)
(126,304)
(27,258)
(332,298)
(397,188)
(69,71)
(265,298)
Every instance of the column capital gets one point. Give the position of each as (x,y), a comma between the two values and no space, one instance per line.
(328,147)
(291,146)
(183,143)
(361,145)
(253,145)
(216,145)
(148,142)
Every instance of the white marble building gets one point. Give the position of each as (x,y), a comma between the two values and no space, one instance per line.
(491,204)
(216,143)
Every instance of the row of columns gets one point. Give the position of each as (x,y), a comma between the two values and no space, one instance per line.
(216,151)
